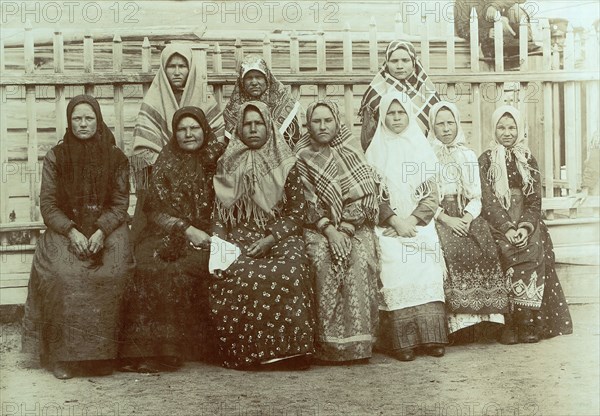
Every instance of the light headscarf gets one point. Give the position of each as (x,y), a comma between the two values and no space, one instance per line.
(250,183)
(153,125)
(417,85)
(453,155)
(337,174)
(499,155)
(405,161)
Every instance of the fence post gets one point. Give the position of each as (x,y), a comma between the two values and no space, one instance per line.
(118,92)
(498,43)
(146,61)
(267,51)
(398,26)
(550,135)
(321,62)
(199,57)
(425,43)
(59,90)
(348,90)
(570,122)
(88,60)
(474,41)
(218,69)
(295,61)
(373,51)
(238,54)
(450,56)
(32,140)
(523,43)
(3,150)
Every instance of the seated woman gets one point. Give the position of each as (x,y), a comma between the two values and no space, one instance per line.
(174,86)
(261,306)
(83,259)
(474,285)
(412,265)
(512,202)
(342,197)
(402,71)
(165,305)
(256,82)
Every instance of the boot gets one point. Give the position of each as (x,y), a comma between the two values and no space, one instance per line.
(509,333)
(526,326)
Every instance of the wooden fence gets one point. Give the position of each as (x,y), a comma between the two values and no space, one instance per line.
(557,91)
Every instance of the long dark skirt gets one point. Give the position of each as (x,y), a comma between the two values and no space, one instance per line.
(72,308)
(262,307)
(165,308)
(475,282)
(531,276)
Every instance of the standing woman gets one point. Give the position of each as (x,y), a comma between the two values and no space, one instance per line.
(474,285)
(165,307)
(256,82)
(343,207)
(261,305)
(412,265)
(83,259)
(401,71)
(176,85)
(512,202)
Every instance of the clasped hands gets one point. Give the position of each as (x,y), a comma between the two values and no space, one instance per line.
(85,247)
(518,237)
(398,227)
(459,226)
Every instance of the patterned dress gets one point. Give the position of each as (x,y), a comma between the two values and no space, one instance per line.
(262,307)
(530,271)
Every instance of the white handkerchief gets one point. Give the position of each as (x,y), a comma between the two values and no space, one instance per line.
(222,254)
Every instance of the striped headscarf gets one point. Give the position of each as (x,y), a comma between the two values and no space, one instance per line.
(418,86)
(336,174)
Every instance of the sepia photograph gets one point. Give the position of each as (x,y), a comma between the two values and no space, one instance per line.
(309,207)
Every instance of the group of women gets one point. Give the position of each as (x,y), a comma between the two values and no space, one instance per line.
(341,249)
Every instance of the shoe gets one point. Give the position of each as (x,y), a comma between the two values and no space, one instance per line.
(405,354)
(435,350)
(149,366)
(62,371)
(509,333)
(526,326)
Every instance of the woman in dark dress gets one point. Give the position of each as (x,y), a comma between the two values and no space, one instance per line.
(512,204)
(166,303)
(83,259)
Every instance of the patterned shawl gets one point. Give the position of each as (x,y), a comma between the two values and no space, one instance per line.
(249,183)
(452,157)
(339,173)
(180,184)
(282,105)
(152,130)
(86,169)
(405,161)
(418,86)
(497,175)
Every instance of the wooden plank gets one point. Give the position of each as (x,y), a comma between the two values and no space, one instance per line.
(266,54)
(218,68)
(295,60)
(548,173)
(239,54)
(118,92)
(3,147)
(477,142)
(425,58)
(88,60)
(13,296)
(146,61)
(474,42)
(348,89)
(321,63)
(498,43)
(59,90)
(373,51)
(30,102)
(523,42)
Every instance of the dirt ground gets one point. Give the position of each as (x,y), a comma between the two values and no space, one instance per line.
(555,377)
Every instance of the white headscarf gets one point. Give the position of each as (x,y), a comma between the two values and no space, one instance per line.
(454,154)
(497,174)
(405,161)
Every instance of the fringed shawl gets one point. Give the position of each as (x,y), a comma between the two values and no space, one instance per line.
(337,174)
(405,161)
(499,155)
(453,160)
(249,183)
(418,86)
(152,129)
(283,107)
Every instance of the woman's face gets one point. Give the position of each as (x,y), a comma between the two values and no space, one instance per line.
(177,71)
(189,134)
(506,131)
(255,83)
(254,129)
(445,128)
(400,65)
(83,121)
(323,127)
(396,118)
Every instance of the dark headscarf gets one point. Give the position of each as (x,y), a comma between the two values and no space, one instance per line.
(181,184)
(86,169)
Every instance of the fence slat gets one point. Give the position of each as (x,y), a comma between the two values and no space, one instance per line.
(398,26)
(548,141)
(59,90)
(267,50)
(474,42)
(450,46)
(546,45)
(476,117)
(498,43)
(199,53)
(348,89)
(3,150)
(321,62)
(295,61)
(523,42)
(571,152)
(373,51)
(218,69)
(32,143)
(118,92)
(88,60)
(146,61)
(238,54)
(425,58)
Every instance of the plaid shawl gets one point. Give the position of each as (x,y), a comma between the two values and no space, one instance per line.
(282,105)
(337,174)
(153,125)
(250,183)
(418,87)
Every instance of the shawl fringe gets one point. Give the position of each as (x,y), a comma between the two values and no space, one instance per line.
(139,169)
